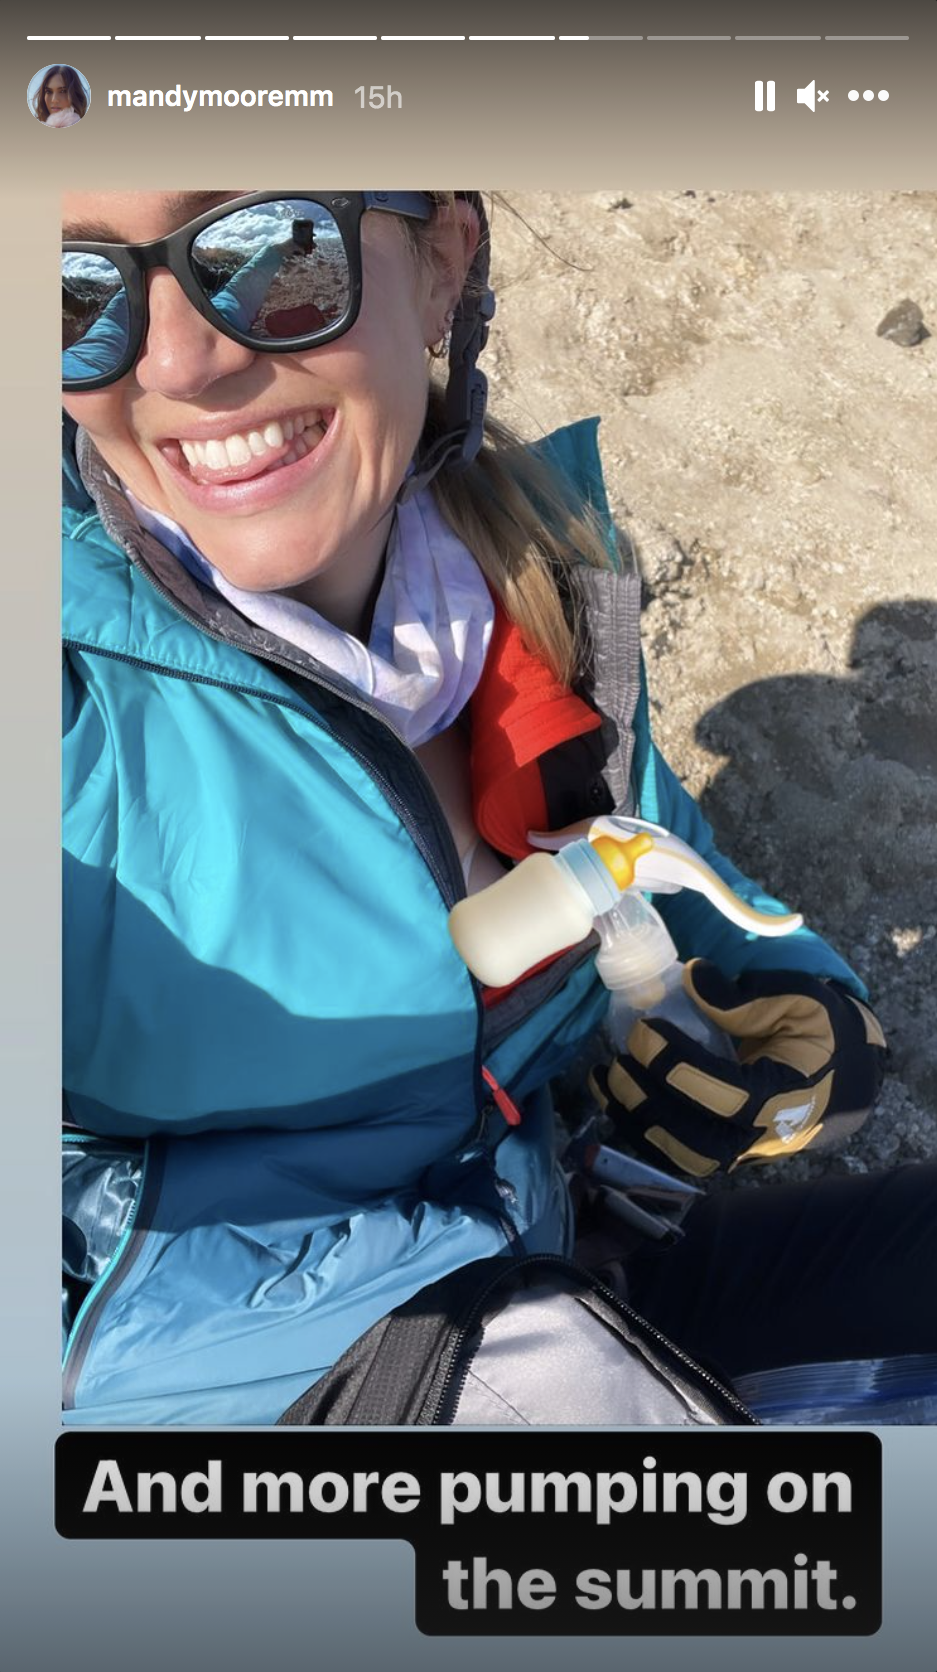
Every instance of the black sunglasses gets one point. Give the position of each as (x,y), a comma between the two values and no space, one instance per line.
(276,271)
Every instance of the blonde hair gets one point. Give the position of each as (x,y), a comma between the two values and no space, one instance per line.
(527,537)
(520,520)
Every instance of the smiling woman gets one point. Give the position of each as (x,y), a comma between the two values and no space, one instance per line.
(336,642)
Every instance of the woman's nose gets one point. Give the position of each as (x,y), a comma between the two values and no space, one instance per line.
(183,354)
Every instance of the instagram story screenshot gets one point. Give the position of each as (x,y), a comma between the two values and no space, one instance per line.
(470,854)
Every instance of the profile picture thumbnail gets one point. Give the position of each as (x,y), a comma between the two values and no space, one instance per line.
(58,96)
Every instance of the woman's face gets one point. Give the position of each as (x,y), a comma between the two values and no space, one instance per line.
(57,94)
(309,513)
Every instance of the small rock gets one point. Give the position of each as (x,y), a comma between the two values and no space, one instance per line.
(622,203)
(904,324)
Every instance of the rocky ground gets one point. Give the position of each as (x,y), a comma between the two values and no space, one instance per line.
(774,461)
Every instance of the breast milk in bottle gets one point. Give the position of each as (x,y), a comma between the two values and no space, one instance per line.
(548,902)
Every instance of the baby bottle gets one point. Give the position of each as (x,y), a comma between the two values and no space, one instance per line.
(548,902)
(638,962)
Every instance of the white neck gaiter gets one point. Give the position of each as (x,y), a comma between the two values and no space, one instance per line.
(432,621)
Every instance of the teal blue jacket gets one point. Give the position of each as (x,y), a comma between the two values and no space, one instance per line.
(265,1017)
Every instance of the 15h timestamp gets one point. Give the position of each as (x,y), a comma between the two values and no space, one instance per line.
(379,98)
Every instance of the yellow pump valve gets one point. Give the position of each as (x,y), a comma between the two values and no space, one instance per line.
(621,857)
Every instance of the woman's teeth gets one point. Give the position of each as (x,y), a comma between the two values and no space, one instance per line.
(304,431)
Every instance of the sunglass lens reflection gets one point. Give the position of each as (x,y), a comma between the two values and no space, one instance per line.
(275,270)
(95,317)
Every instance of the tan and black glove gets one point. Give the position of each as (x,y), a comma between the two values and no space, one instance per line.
(811,1058)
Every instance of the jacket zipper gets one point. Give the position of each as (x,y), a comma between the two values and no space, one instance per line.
(503,1099)
(121,1263)
(454,1376)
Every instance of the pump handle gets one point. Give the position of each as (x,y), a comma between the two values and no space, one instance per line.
(669,865)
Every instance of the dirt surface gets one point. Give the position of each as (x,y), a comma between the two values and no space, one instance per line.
(774,462)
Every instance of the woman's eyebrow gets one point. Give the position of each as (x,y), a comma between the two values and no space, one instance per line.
(185,206)
(89,232)
(181,207)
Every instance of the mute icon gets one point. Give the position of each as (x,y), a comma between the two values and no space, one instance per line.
(808,95)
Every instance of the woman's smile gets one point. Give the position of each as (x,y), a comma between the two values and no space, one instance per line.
(253,465)
(253,446)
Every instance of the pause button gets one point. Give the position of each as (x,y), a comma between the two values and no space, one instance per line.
(761,102)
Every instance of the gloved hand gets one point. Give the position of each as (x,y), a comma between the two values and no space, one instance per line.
(811,1061)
